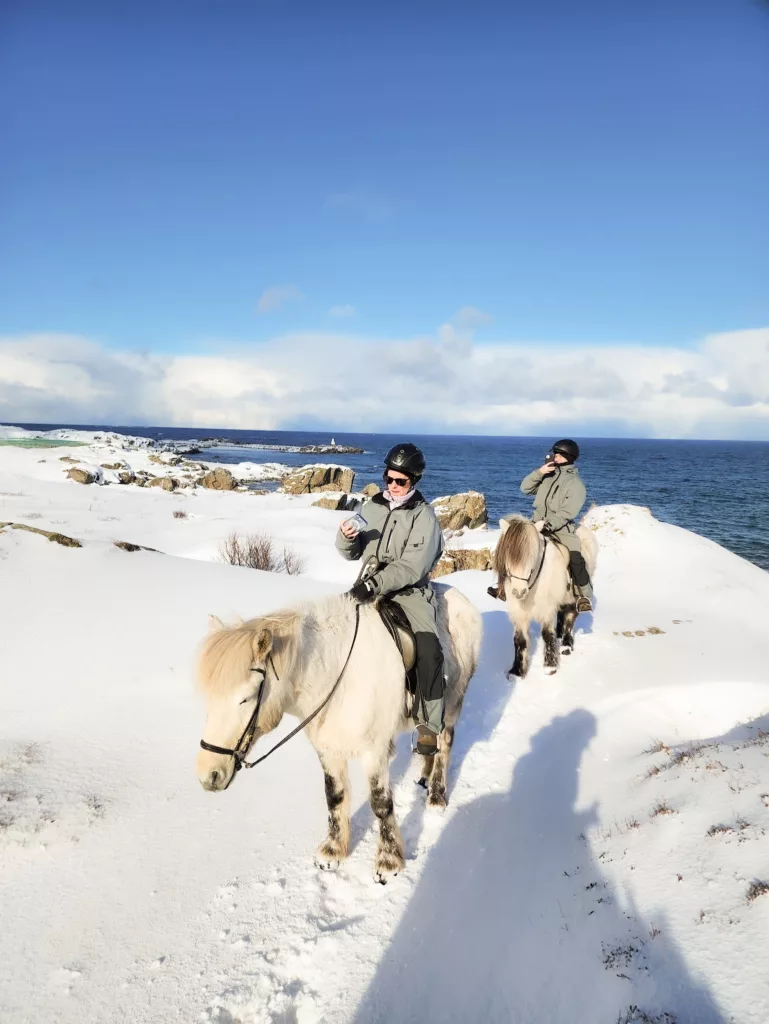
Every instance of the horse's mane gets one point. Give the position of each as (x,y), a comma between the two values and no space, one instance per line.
(517,548)
(227,654)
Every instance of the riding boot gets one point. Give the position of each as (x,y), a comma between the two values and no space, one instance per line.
(429,702)
(498,591)
(580,577)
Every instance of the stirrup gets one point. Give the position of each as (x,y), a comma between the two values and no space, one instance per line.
(584,604)
(424,741)
(492,591)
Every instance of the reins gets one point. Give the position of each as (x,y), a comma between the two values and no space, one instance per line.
(247,736)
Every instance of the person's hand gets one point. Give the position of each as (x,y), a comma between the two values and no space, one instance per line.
(348,529)
(364,592)
(548,468)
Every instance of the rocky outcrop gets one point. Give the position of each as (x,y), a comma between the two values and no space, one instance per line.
(81,475)
(459,559)
(335,502)
(219,479)
(126,545)
(165,483)
(309,479)
(457,511)
(371,489)
(57,538)
(126,476)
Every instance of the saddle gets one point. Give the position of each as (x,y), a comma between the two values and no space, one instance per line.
(397,625)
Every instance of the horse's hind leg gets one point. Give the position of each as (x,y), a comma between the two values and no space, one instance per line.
(567,617)
(551,648)
(389,858)
(521,659)
(336,846)
(436,785)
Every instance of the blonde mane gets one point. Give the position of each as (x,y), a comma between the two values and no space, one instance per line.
(227,655)
(517,548)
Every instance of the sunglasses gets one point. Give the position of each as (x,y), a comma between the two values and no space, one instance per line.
(399,481)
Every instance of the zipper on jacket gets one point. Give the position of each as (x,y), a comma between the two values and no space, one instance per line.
(381,535)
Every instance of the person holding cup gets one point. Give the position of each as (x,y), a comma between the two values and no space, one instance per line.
(397,536)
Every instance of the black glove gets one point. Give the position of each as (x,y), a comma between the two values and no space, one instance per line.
(364,592)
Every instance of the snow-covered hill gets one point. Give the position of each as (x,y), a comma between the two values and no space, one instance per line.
(603,857)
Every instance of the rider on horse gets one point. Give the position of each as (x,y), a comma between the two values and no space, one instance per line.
(400,544)
(559,494)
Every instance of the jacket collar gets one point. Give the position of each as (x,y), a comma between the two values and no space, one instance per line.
(415,499)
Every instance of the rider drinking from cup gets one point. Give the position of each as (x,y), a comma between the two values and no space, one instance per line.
(559,494)
(398,537)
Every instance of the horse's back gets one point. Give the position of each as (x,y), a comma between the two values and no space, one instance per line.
(589,542)
(461,627)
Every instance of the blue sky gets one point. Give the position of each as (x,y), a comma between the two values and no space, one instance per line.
(586,173)
(476,217)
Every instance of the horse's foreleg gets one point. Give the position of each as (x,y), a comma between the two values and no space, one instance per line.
(521,659)
(336,846)
(390,854)
(551,648)
(567,615)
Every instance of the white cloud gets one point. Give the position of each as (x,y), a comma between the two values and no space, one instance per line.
(469,318)
(342,311)
(277,296)
(719,388)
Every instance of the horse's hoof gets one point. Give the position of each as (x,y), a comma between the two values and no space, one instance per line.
(327,859)
(550,671)
(387,866)
(566,651)
(438,800)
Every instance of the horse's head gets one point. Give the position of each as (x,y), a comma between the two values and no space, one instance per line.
(236,672)
(517,555)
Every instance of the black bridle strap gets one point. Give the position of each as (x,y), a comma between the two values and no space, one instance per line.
(248,732)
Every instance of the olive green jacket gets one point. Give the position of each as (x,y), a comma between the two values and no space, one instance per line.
(558,497)
(405,543)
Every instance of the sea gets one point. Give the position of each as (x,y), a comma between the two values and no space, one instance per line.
(719,489)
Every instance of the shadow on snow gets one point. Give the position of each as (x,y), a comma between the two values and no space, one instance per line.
(512,921)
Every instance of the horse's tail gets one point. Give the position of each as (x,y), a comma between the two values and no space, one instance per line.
(517,548)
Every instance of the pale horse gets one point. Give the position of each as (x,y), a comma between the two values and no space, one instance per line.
(535,573)
(254,672)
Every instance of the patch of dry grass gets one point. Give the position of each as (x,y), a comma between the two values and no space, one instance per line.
(755,889)
(258,551)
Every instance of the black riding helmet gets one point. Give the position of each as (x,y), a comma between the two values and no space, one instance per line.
(407,458)
(569,449)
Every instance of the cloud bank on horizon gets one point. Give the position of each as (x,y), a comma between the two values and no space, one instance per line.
(446,383)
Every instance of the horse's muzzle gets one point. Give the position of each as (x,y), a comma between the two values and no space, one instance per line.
(215,778)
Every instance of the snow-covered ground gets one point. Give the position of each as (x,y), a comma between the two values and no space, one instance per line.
(597,863)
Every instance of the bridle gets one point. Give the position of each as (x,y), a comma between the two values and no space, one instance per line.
(243,745)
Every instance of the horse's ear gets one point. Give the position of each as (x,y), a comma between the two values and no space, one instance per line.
(239,620)
(214,623)
(262,644)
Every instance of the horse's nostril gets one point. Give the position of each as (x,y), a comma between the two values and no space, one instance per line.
(213,777)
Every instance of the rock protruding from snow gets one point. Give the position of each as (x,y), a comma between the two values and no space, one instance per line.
(457,511)
(165,483)
(371,489)
(334,502)
(309,479)
(459,559)
(84,475)
(219,479)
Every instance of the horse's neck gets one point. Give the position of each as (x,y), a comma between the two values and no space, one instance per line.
(314,660)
